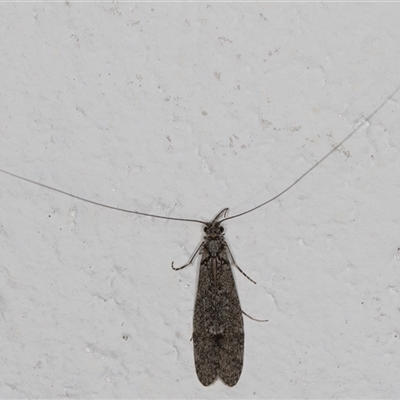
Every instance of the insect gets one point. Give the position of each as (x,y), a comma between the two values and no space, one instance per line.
(218,334)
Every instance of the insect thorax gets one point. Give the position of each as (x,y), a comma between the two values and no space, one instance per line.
(214,238)
(214,246)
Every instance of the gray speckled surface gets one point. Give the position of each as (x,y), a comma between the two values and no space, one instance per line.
(182,109)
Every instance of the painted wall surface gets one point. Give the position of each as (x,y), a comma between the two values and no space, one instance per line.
(182,109)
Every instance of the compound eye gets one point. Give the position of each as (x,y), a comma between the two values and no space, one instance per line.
(205,229)
(221,229)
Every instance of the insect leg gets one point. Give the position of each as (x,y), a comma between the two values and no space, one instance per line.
(234,263)
(191,258)
(254,319)
(237,266)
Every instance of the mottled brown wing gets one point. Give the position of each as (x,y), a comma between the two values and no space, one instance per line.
(218,335)
(231,342)
(206,354)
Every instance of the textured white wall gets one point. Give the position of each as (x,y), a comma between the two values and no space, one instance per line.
(182,109)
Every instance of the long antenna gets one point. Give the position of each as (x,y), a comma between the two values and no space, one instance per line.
(222,212)
(319,162)
(99,204)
